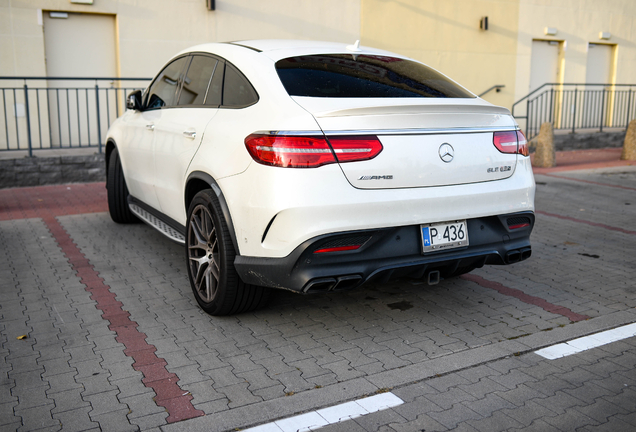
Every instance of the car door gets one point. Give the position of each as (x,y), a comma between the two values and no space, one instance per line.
(139,135)
(136,150)
(179,132)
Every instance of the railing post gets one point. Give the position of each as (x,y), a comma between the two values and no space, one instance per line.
(551,103)
(629,101)
(99,127)
(574,111)
(28,118)
(602,109)
(528,117)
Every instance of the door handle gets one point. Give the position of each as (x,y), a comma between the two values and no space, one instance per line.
(190,134)
(150,126)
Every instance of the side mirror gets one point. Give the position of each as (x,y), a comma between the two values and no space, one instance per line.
(133,101)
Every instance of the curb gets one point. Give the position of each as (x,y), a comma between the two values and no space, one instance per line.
(39,171)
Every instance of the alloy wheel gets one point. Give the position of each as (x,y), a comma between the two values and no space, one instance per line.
(203,253)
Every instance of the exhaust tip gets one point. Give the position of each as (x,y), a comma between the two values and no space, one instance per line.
(526,253)
(513,256)
(319,285)
(347,282)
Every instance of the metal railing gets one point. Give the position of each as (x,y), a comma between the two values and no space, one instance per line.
(496,87)
(576,106)
(40,113)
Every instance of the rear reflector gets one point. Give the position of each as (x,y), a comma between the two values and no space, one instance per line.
(341,244)
(310,151)
(338,249)
(512,142)
(518,222)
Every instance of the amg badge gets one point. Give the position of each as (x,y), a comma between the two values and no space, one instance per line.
(376,177)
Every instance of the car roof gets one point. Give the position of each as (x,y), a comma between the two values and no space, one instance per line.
(266,45)
(277,49)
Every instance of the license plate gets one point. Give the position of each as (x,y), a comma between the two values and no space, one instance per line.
(445,235)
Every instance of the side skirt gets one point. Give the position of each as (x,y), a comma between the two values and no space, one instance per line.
(162,223)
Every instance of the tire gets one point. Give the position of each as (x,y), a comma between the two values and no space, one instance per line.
(118,192)
(210,254)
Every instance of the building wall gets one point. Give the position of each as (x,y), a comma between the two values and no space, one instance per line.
(151,31)
(446,35)
(578,23)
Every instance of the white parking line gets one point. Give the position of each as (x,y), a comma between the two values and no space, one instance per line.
(588,342)
(335,414)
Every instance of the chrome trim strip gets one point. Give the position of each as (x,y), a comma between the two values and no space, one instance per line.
(291,133)
(444,131)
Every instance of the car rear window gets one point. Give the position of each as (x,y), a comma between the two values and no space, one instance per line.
(359,76)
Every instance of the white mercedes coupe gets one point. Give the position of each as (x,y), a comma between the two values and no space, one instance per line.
(317,166)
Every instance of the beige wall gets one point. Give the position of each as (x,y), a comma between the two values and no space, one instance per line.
(151,31)
(446,35)
(578,23)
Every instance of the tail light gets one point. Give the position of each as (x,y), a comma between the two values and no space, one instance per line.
(355,148)
(310,151)
(513,142)
(523,144)
(289,151)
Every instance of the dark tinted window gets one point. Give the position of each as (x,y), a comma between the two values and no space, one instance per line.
(355,76)
(237,91)
(216,86)
(197,80)
(163,91)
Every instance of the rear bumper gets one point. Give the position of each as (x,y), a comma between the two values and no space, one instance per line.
(386,254)
(274,210)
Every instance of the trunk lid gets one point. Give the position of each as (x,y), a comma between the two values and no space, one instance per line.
(435,142)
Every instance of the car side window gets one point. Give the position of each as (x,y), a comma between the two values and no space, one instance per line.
(215,89)
(197,80)
(163,91)
(237,91)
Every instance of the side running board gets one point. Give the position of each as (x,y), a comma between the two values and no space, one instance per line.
(157,224)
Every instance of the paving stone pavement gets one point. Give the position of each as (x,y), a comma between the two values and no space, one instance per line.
(459,354)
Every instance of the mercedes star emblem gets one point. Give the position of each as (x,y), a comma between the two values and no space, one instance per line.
(446,152)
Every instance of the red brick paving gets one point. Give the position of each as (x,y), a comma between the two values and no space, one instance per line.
(595,224)
(48,202)
(526,298)
(585,159)
(169,394)
(58,200)
(590,182)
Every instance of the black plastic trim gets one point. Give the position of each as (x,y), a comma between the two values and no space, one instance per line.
(244,46)
(200,175)
(269,225)
(389,253)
